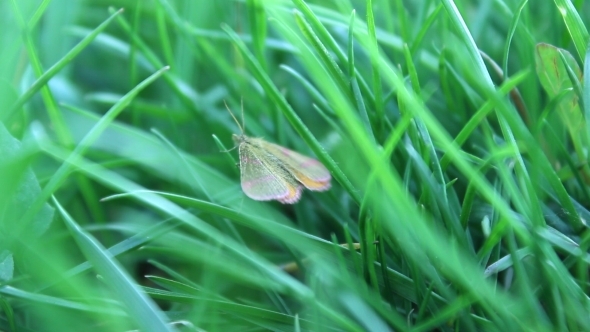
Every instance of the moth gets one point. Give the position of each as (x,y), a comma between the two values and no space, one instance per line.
(272,172)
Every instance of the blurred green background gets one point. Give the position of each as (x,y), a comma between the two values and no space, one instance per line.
(455,133)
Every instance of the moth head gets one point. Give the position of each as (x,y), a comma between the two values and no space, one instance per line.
(237,138)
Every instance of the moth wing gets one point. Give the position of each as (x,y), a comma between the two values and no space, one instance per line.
(310,172)
(262,182)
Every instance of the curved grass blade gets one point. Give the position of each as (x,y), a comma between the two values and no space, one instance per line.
(586,91)
(574,24)
(515,21)
(23,295)
(140,307)
(60,175)
(325,37)
(377,87)
(182,91)
(56,68)
(138,239)
(329,62)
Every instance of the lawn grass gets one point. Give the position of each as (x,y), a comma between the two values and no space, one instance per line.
(455,133)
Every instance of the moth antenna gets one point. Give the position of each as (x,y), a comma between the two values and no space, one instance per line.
(233,116)
(229,150)
(243,122)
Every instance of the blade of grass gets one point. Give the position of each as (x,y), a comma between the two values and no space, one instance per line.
(58,66)
(17,293)
(181,90)
(38,13)
(356,92)
(514,25)
(140,307)
(415,43)
(60,175)
(329,41)
(257,19)
(586,92)
(316,95)
(574,24)
(377,88)
(124,246)
(329,62)
(482,113)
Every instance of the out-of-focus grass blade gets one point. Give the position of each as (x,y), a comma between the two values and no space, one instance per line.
(317,96)
(20,190)
(13,292)
(552,69)
(9,314)
(574,24)
(476,119)
(6,266)
(173,285)
(249,311)
(416,42)
(43,79)
(326,38)
(354,84)
(322,52)
(38,13)
(586,90)
(180,89)
(257,19)
(515,21)
(140,307)
(126,245)
(60,175)
(364,314)
(238,216)
(465,36)
(377,87)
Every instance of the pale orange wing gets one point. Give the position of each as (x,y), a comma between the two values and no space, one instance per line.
(310,172)
(263,181)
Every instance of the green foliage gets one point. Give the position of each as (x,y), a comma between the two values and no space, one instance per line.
(455,133)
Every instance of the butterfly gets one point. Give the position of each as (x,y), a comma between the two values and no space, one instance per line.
(272,172)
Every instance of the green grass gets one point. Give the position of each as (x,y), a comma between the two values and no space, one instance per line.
(455,133)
